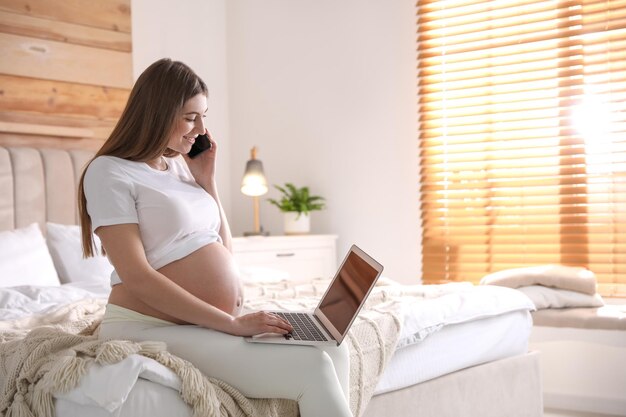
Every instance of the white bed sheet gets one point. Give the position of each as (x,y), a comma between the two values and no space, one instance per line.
(147,398)
(27,300)
(456,347)
(142,387)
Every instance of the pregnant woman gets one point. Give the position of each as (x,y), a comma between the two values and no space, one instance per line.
(159,218)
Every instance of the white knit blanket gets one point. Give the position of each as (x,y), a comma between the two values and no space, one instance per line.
(41,356)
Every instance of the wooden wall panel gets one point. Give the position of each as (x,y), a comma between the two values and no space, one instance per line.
(98,129)
(45,130)
(112,15)
(65,72)
(52,60)
(36,27)
(61,98)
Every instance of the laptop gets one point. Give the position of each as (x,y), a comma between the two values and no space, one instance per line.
(329,323)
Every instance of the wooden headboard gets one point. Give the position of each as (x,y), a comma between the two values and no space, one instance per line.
(39,185)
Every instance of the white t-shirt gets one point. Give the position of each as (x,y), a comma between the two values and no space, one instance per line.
(175,215)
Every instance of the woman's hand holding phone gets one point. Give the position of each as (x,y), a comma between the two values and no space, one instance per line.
(201,144)
(201,161)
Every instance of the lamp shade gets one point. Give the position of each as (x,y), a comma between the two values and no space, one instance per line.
(254,182)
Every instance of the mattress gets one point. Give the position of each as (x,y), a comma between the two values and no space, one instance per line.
(509,387)
(456,347)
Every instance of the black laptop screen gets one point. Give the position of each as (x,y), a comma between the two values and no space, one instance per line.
(344,297)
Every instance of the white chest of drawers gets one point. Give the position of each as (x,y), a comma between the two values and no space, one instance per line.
(300,258)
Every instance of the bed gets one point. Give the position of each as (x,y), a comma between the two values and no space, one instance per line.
(445,350)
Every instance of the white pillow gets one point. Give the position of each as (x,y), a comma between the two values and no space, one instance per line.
(24,258)
(544,297)
(65,246)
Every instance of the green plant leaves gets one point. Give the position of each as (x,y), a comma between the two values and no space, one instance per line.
(297,199)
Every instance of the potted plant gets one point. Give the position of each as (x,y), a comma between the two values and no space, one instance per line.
(296,205)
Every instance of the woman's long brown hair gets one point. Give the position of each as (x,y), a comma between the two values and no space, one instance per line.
(143,130)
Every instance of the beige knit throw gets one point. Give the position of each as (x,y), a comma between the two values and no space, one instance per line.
(51,359)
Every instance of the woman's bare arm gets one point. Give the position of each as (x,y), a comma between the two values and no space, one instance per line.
(224,232)
(202,168)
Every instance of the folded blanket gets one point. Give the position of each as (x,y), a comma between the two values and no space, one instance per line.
(544,297)
(557,276)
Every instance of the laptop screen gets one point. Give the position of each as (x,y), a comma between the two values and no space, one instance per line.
(343,298)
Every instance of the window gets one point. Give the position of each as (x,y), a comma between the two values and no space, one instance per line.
(523,137)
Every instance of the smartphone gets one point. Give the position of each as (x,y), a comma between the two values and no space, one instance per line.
(201,144)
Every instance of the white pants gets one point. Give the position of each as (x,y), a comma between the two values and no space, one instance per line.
(317,378)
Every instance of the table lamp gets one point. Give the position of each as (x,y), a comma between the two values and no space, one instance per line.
(254,185)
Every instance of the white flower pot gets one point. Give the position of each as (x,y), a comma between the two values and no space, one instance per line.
(297,224)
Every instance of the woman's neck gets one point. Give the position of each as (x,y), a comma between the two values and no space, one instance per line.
(160,164)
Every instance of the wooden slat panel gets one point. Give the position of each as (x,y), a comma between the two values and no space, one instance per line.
(439,242)
(612,290)
(7,202)
(61,98)
(18,24)
(100,129)
(106,14)
(511,175)
(65,71)
(52,142)
(51,60)
(45,130)
(468,259)
(611,271)
(540,247)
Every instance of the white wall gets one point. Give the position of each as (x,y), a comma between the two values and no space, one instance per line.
(194,32)
(326,90)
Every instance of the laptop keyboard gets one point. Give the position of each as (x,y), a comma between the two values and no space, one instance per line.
(303,327)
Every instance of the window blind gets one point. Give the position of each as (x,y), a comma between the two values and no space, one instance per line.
(523,137)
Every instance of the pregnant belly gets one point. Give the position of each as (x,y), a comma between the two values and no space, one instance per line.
(209,273)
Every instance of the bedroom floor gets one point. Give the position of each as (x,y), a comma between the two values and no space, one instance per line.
(550,412)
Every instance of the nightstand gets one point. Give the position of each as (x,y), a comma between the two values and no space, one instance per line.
(302,257)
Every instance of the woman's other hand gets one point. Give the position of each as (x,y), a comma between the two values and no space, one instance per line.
(260,322)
